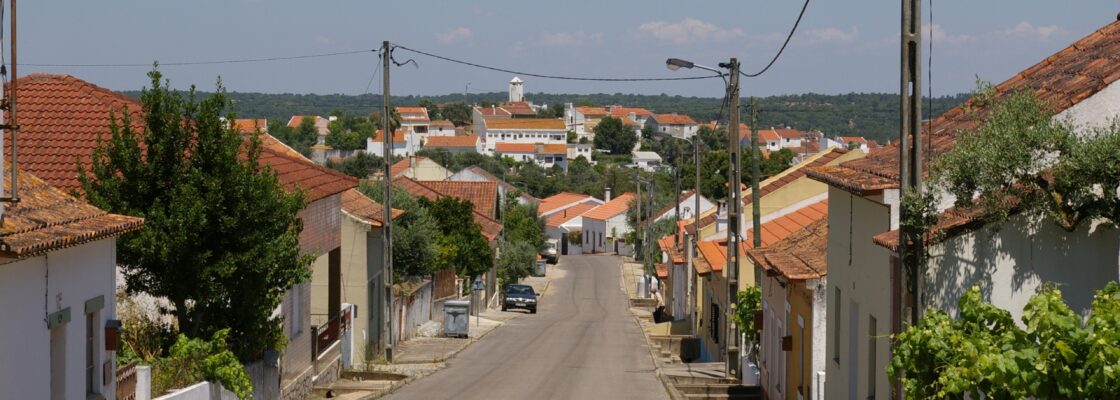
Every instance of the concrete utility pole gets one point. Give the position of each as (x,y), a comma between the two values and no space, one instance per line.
(734,214)
(387,198)
(910,148)
(756,205)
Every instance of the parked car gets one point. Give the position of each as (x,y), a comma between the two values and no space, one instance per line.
(520,296)
(550,251)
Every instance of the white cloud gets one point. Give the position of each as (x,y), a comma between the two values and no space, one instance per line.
(688,30)
(1025,29)
(827,35)
(571,39)
(940,36)
(454,36)
(323,40)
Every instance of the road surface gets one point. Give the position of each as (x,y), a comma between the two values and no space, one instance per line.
(583,343)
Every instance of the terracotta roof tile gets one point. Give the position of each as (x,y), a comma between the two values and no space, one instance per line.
(779,228)
(490,227)
(625,112)
(504,148)
(501,183)
(567,214)
(46,219)
(401,166)
(800,256)
(250,125)
(518,108)
(673,119)
(297,172)
(611,208)
(398,136)
(662,271)
(482,195)
(1060,80)
(559,200)
(365,209)
(526,123)
(592,111)
(452,141)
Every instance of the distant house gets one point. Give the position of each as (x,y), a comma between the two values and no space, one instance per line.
(564,200)
(646,160)
(566,225)
(687,202)
(453,144)
(582,120)
(414,119)
(639,116)
(544,155)
(321,125)
(523,131)
(605,226)
(405,143)
(853,142)
(475,173)
(59,248)
(251,125)
(580,150)
(419,168)
(681,126)
(441,127)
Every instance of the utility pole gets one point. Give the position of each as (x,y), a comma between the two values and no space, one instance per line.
(734,215)
(756,211)
(387,198)
(910,146)
(677,202)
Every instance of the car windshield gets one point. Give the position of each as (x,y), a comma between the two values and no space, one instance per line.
(519,289)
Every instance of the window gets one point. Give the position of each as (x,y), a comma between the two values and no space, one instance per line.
(836,327)
(871,357)
(297,300)
(713,327)
(92,386)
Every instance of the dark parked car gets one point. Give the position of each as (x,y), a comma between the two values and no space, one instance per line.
(520,296)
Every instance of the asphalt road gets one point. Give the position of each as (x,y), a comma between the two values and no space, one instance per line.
(582,344)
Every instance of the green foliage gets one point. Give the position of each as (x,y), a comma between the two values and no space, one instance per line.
(1004,164)
(458,113)
(221,237)
(517,261)
(458,161)
(749,302)
(346,140)
(572,137)
(460,244)
(414,234)
(713,172)
(985,353)
(359,165)
(195,360)
(614,136)
(520,223)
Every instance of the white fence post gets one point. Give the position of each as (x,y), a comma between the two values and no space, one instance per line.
(143,382)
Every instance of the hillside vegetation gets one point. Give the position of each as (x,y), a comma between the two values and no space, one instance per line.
(872,115)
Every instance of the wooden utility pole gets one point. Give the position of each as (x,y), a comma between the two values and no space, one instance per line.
(910,149)
(734,217)
(387,198)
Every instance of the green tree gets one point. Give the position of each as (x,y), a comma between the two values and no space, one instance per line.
(432,107)
(1057,356)
(360,165)
(346,140)
(460,244)
(523,235)
(195,360)
(458,113)
(221,237)
(517,261)
(713,170)
(614,136)
(750,302)
(414,233)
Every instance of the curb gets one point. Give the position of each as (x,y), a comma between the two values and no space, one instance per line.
(670,390)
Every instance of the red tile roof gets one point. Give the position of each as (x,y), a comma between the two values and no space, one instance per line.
(950,222)
(482,195)
(567,214)
(490,227)
(250,125)
(800,256)
(666,244)
(46,219)
(779,228)
(398,136)
(61,118)
(662,271)
(617,205)
(503,147)
(452,141)
(592,111)
(673,119)
(492,111)
(501,183)
(852,139)
(794,173)
(518,108)
(365,209)
(553,148)
(1061,81)
(298,119)
(714,252)
(401,166)
(413,110)
(625,112)
(560,200)
(526,123)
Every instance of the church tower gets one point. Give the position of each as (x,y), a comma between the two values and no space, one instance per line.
(516,91)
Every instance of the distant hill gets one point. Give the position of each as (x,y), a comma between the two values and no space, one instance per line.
(872,115)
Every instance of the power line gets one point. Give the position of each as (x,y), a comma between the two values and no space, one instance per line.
(560,77)
(784,44)
(184,63)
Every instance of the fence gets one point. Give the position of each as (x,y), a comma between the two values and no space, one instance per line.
(126,382)
(322,337)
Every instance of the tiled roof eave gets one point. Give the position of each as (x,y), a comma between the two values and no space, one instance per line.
(73,233)
(866,185)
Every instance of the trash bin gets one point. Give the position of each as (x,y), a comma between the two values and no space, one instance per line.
(541,265)
(456,318)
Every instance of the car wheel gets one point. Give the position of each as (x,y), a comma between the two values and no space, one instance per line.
(532,311)
(503,307)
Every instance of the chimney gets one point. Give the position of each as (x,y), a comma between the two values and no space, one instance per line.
(607,194)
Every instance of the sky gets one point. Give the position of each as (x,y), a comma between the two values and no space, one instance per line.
(840,46)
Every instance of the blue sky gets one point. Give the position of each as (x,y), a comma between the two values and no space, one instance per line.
(841,46)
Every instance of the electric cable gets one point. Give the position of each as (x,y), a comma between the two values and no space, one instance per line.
(784,44)
(183,63)
(545,76)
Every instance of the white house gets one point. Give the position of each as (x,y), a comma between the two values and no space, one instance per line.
(521,130)
(646,160)
(1010,260)
(475,173)
(405,143)
(441,127)
(414,119)
(321,125)
(564,200)
(605,226)
(566,226)
(580,150)
(681,126)
(544,155)
(58,292)
(687,201)
(639,116)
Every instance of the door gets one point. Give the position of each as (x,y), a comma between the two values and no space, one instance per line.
(853,349)
(58,362)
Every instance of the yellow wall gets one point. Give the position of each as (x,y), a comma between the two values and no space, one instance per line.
(797,191)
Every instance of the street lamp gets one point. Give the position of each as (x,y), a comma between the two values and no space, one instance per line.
(734,204)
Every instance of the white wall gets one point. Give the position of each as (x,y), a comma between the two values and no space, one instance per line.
(1095,111)
(491,137)
(861,270)
(34,287)
(594,236)
(619,227)
(1011,260)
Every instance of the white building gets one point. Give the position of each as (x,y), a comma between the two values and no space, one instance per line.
(646,160)
(605,226)
(681,126)
(414,119)
(580,150)
(521,130)
(405,144)
(544,155)
(516,90)
(58,292)
(1011,259)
